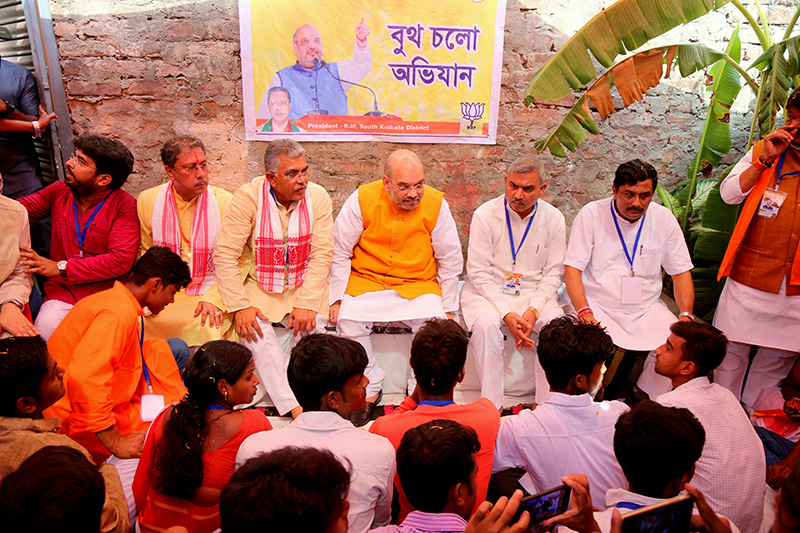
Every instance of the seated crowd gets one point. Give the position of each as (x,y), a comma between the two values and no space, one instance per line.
(137,397)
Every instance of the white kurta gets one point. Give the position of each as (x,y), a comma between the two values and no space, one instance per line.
(596,250)
(748,315)
(732,470)
(387,305)
(540,260)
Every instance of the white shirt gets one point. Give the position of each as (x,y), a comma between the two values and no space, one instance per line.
(731,472)
(540,260)
(564,435)
(775,323)
(369,458)
(596,250)
(446,249)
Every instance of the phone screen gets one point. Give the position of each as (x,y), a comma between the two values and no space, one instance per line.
(545,505)
(671,516)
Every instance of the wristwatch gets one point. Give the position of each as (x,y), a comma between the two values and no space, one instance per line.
(10,108)
(62,268)
(687,313)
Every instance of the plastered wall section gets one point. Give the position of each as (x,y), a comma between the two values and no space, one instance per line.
(142,71)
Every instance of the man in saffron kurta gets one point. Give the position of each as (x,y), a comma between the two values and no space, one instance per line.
(760,303)
(98,344)
(185,214)
(392,239)
(272,261)
(95,228)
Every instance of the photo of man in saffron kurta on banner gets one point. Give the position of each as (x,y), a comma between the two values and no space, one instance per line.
(380,70)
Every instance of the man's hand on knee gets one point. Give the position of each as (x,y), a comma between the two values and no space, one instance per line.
(302,320)
(247,324)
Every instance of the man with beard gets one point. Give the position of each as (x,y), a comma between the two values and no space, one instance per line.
(95,228)
(612,271)
(185,214)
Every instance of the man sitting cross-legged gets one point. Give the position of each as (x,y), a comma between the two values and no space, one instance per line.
(30,382)
(326,374)
(438,354)
(569,432)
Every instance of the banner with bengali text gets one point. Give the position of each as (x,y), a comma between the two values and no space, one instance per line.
(358,70)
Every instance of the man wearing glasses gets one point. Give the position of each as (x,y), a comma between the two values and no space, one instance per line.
(95,228)
(397,258)
(272,259)
(185,214)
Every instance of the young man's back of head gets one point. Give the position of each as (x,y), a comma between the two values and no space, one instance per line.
(289,489)
(23,372)
(438,355)
(436,466)
(703,344)
(657,448)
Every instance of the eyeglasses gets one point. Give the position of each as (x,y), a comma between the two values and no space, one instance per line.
(294,174)
(419,187)
(80,161)
(191,169)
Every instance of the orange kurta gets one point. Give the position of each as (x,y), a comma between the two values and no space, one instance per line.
(98,346)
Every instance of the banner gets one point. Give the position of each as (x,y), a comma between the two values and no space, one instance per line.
(358,70)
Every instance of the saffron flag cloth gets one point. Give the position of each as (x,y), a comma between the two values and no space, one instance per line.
(277,258)
(206,224)
(367,70)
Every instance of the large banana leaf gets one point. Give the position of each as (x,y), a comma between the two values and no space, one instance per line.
(776,73)
(632,77)
(624,26)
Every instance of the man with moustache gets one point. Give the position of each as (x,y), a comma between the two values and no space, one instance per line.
(612,271)
(95,228)
(397,257)
(760,304)
(272,259)
(515,238)
(280,103)
(310,78)
(185,214)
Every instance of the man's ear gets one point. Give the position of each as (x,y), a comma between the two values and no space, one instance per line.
(330,401)
(27,405)
(458,494)
(461,374)
(386,182)
(580,383)
(340,524)
(155,284)
(688,368)
(170,172)
(102,180)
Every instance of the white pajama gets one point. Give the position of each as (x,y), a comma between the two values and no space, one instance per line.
(51,313)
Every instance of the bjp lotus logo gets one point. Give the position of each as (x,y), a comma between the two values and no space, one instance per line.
(471,112)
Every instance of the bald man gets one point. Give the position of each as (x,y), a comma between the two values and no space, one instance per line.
(317,86)
(396,258)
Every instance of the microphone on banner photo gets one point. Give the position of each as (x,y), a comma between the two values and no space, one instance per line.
(317,110)
(375,112)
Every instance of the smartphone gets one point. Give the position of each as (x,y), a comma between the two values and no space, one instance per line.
(544,505)
(670,516)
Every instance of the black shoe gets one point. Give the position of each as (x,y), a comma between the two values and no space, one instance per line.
(362,417)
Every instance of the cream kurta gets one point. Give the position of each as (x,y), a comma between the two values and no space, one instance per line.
(15,284)
(233,259)
(177,319)
(595,249)
(540,260)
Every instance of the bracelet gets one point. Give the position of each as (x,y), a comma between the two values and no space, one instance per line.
(584,311)
(761,164)
(686,313)
(37,130)
(12,301)
(535,313)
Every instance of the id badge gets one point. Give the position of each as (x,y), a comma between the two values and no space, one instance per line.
(152,404)
(512,284)
(631,290)
(771,203)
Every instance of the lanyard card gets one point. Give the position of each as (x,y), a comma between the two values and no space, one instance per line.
(152,404)
(512,283)
(771,203)
(631,290)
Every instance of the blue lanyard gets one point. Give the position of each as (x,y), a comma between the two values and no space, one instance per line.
(144,365)
(628,505)
(511,234)
(780,168)
(436,403)
(218,407)
(622,240)
(276,203)
(82,234)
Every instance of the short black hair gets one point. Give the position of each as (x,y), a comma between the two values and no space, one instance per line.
(55,489)
(633,172)
(656,445)
(174,147)
(110,157)
(434,457)
(704,345)
(23,367)
(288,489)
(279,89)
(794,100)
(321,363)
(438,354)
(567,348)
(161,262)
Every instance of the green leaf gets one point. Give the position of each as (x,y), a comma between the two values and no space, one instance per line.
(625,25)
(775,86)
(669,201)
